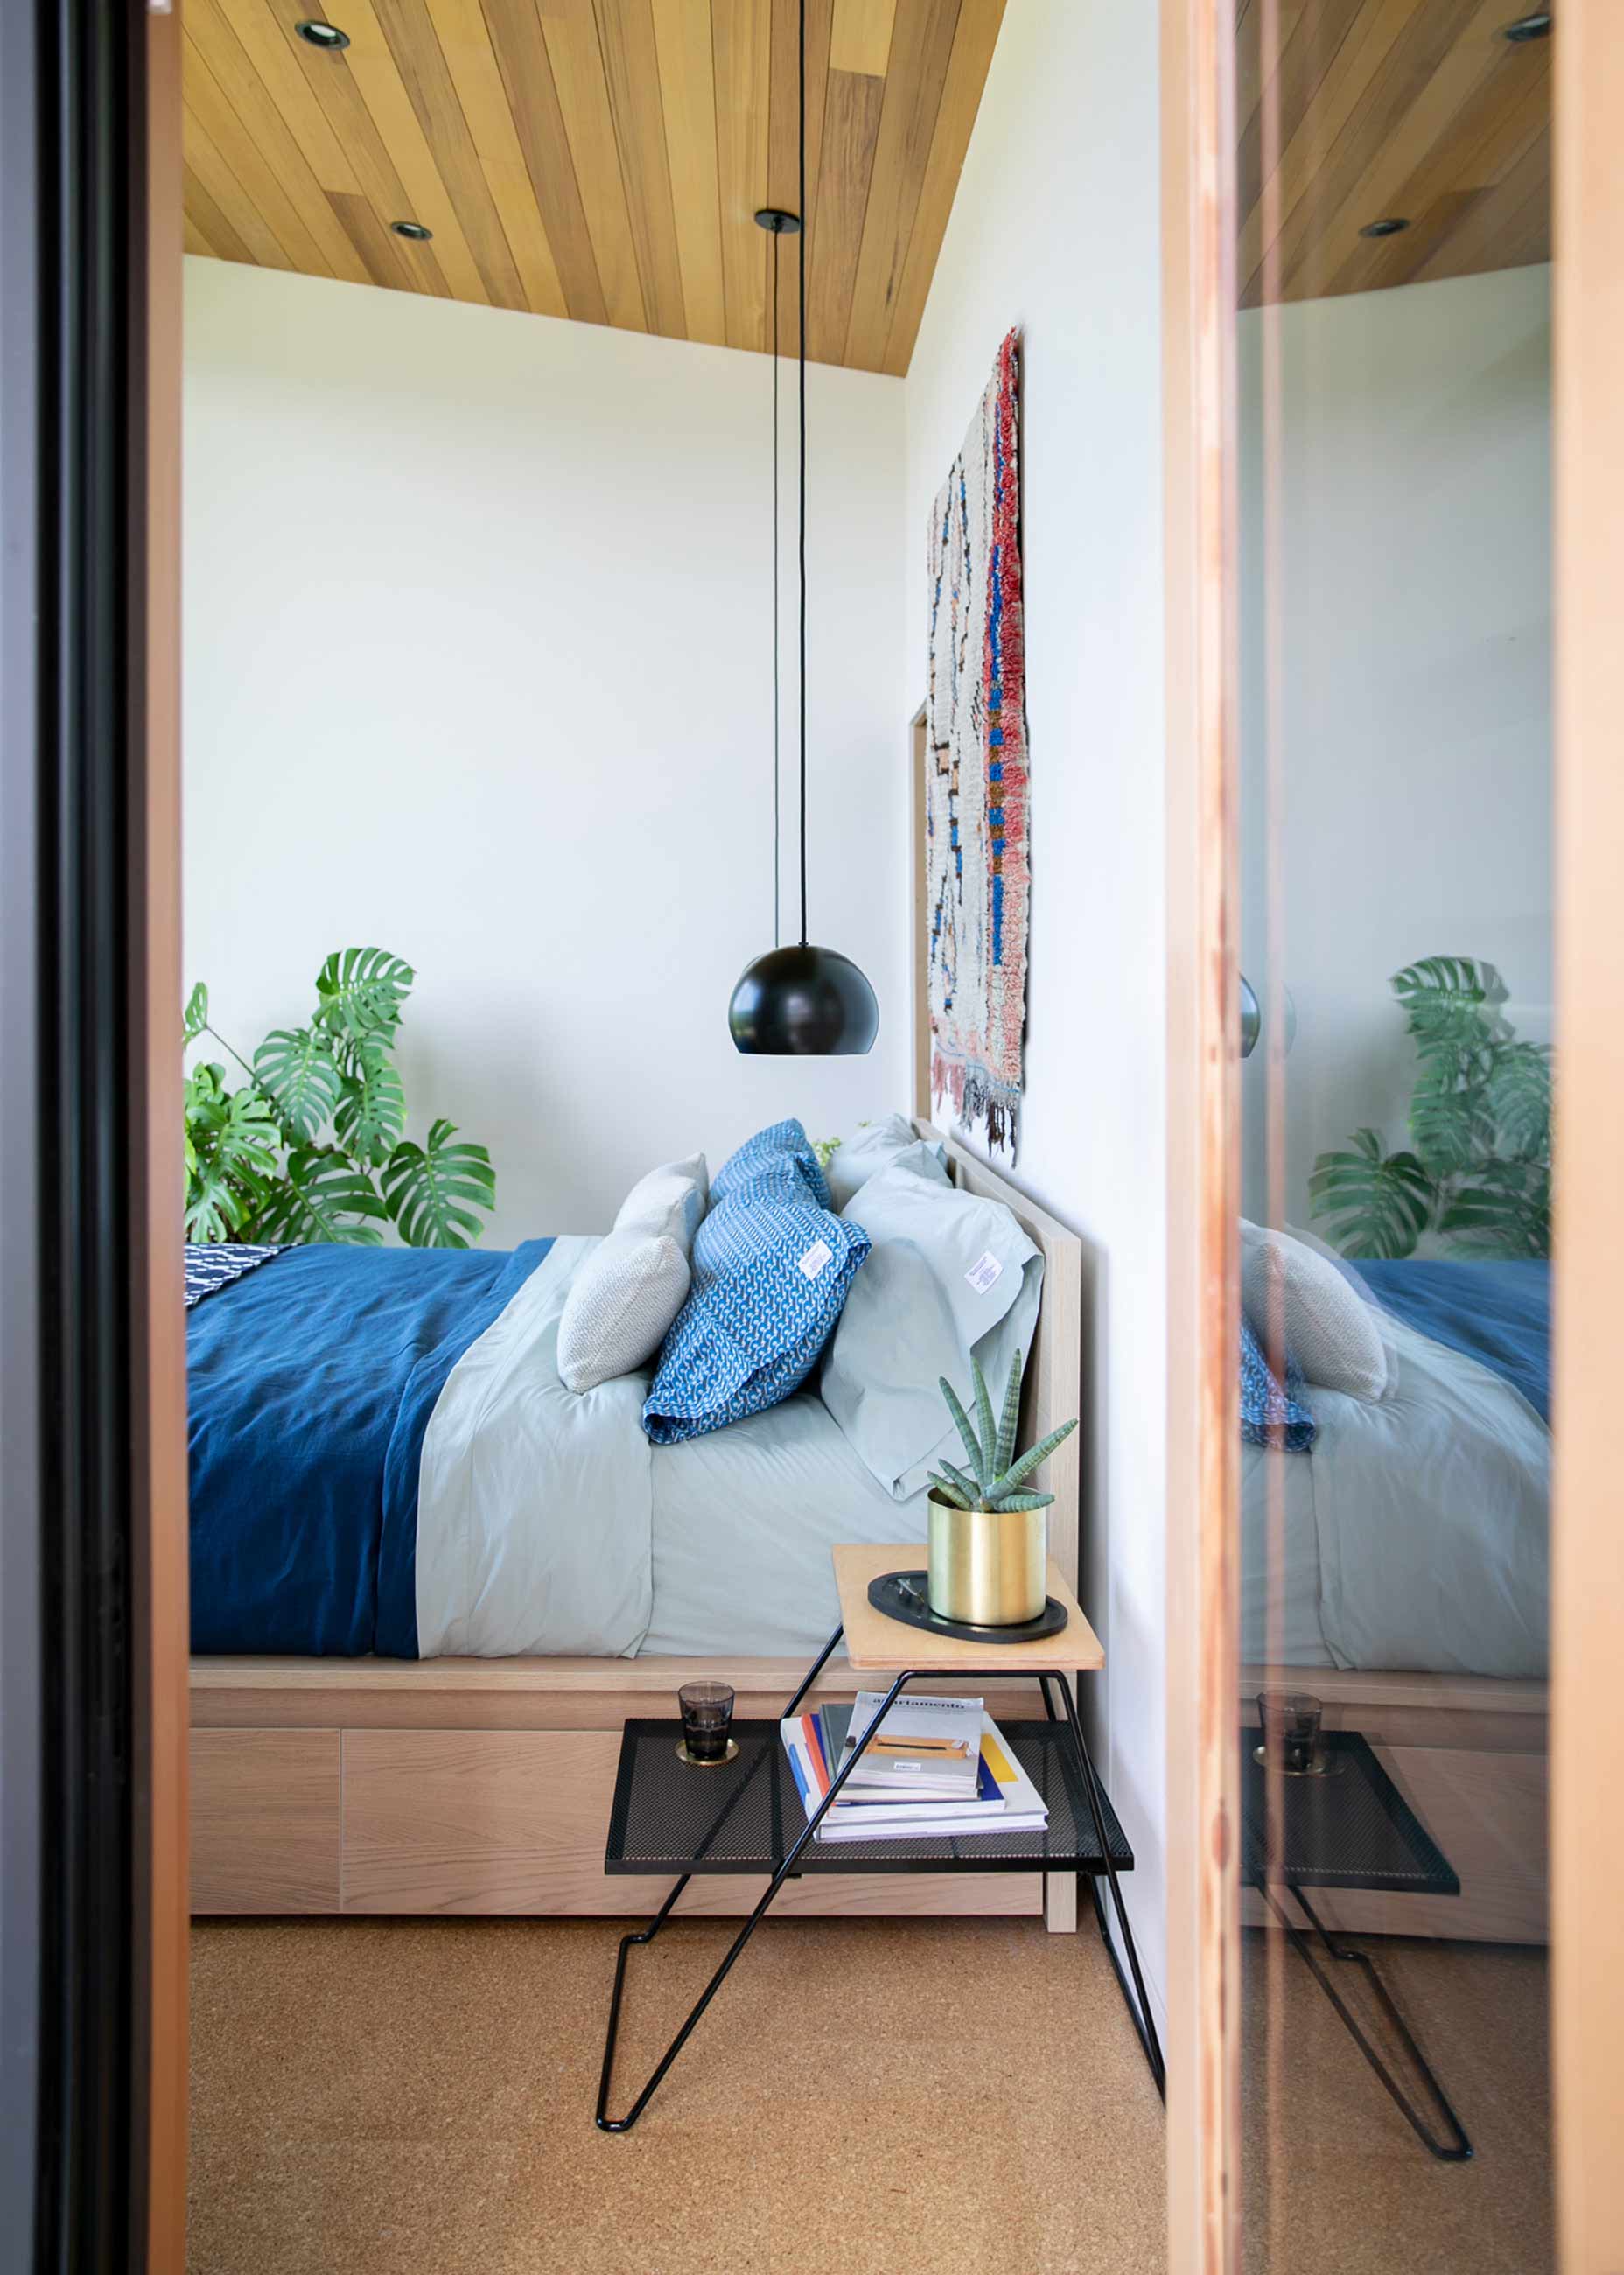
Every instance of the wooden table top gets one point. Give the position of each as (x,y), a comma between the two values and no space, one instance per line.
(875,1643)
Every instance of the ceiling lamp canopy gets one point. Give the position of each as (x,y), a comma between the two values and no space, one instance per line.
(802,1001)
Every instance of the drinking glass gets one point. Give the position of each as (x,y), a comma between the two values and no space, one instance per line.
(1290,1720)
(707,1713)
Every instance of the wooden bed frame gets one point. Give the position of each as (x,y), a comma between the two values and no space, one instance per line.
(1469,1753)
(483,1786)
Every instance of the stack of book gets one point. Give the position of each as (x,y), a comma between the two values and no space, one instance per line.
(934,1769)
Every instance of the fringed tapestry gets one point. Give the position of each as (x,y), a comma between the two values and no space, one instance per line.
(976,807)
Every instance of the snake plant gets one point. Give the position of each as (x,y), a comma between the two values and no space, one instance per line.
(992,1482)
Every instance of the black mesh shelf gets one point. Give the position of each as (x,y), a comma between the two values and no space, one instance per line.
(745,1814)
(1350,1830)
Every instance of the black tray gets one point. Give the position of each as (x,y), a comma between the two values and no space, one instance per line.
(746,1814)
(901,1596)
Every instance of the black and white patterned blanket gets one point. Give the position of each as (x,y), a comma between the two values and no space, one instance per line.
(216,1264)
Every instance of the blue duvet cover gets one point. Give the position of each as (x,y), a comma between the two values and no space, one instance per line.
(312,1381)
(1498,1315)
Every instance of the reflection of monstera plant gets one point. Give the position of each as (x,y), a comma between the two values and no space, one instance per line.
(1477,1170)
(313,1148)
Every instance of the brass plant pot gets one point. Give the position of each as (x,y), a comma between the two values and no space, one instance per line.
(989,1567)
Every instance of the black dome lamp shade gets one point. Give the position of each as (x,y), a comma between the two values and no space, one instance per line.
(801,1002)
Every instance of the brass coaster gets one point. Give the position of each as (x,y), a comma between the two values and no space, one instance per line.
(689,1761)
(1327,1761)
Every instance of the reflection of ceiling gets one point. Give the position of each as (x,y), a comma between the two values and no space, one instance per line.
(1376,108)
(597,159)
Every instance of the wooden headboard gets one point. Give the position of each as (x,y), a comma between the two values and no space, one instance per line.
(1055,1367)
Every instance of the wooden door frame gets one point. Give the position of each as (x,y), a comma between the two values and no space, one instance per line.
(1203,1671)
(1588,1591)
(1587,1604)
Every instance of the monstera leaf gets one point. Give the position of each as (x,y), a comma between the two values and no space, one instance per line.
(1450,1125)
(371,1112)
(299,1072)
(1505,1211)
(231,1145)
(1378,1203)
(301,1154)
(1517,1098)
(361,992)
(432,1191)
(1479,1123)
(1451,1002)
(321,1196)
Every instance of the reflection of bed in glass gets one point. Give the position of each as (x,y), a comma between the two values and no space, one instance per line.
(1406,1562)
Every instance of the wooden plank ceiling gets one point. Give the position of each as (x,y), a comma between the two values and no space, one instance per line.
(595,159)
(1362,111)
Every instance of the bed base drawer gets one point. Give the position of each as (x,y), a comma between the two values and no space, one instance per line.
(266,1824)
(482,1822)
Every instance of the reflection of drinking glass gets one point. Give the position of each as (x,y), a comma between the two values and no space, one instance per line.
(707,1709)
(1290,1720)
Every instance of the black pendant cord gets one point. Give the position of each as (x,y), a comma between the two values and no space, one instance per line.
(777,925)
(801,344)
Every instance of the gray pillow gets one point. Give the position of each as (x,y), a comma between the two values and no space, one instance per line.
(1329,1328)
(670,1199)
(869,1148)
(620,1305)
(948,1274)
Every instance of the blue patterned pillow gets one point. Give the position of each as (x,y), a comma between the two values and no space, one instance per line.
(782,1150)
(1270,1416)
(770,1274)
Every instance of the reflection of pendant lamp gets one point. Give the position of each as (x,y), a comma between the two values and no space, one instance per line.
(1251,1017)
(801,1002)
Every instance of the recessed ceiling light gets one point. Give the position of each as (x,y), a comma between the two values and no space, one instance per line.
(323,35)
(1536,25)
(414,230)
(1390,227)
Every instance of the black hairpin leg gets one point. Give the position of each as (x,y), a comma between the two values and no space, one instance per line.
(608,2124)
(1134,1998)
(1461,2150)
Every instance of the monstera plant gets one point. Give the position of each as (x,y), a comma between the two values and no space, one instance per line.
(1477,1167)
(311,1147)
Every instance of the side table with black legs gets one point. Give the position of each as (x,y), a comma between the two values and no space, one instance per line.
(1345,1825)
(745,1816)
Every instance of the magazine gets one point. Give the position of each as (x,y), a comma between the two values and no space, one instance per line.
(1006,1800)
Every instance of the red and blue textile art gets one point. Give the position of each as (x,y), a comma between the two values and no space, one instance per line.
(976,839)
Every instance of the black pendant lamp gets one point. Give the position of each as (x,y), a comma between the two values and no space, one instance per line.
(801,1002)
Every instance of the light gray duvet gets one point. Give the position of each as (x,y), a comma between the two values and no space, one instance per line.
(1415,1536)
(1420,1522)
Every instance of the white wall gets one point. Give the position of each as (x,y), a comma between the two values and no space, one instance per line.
(1411,599)
(1056,228)
(477,666)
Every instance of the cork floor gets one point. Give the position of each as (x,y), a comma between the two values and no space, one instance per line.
(943,2098)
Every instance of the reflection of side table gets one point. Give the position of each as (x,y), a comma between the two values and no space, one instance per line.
(745,1814)
(1348,1828)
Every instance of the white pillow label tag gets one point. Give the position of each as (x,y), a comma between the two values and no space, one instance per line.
(985,1273)
(816,1257)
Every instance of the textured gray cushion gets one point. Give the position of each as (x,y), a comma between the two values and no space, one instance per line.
(620,1305)
(866,1149)
(669,1199)
(1329,1328)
